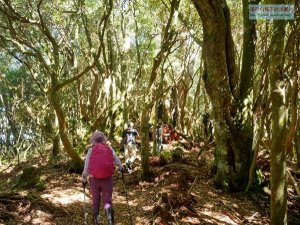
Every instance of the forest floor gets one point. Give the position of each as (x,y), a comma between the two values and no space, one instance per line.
(179,192)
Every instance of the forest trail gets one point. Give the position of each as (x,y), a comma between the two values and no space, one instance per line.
(179,193)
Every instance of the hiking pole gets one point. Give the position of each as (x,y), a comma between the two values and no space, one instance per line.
(84,203)
(126,195)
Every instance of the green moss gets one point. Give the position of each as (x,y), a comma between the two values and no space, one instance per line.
(30,178)
(177,154)
(40,186)
(166,155)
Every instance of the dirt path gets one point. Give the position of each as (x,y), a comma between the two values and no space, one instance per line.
(178,193)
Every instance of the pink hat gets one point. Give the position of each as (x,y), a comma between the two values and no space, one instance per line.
(98,137)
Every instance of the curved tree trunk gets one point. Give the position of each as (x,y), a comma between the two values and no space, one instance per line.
(62,126)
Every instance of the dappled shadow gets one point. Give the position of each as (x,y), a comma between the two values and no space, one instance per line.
(178,193)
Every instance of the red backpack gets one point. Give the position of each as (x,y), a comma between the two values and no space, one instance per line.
(101,162)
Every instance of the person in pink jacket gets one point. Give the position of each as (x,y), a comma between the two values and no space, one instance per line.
(98,167)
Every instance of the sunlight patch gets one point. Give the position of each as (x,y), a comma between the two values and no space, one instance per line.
(119,199)
(220,217)
(191,220)
(148,208)
(37,217)
(141,221)
(63,197)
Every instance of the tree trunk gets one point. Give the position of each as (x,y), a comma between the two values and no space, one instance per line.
(278,125)
(54,98)
(145,142)
(174,106)
(248,57)
(183,93)
(233,137)
(297,148)
(246,86)
(56,146)
(292,53)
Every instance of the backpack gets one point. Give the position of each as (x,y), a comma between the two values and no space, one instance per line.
(101,162)
(129,137)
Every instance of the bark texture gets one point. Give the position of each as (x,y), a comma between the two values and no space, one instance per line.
(279,125)
(233,136)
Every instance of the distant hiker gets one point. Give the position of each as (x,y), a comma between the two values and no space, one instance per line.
(99,166)
(128,139)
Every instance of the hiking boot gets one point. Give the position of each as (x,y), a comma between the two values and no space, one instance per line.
(129,171)
(97,219)
(128,165)
(110,216)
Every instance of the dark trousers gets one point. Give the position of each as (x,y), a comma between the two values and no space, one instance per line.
(101,189)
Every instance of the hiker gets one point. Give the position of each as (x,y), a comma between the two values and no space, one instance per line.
(99,166)
(128,140)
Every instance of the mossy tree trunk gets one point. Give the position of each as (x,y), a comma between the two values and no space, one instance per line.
(54,99)
(246,90)
(56,149)
(278,124)
(248,55)
(233,129)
